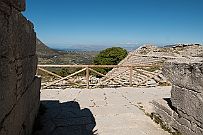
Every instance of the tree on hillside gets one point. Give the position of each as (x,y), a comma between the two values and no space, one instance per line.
(110,56)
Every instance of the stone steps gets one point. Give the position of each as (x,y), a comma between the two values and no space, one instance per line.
(141,77)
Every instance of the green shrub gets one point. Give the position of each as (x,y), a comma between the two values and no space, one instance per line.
(109,56)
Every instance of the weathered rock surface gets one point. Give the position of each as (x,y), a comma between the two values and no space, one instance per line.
(187,74)
(185,113)
(19,88)
(17,4)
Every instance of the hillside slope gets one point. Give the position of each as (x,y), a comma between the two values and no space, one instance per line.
(44,51)
(47,55)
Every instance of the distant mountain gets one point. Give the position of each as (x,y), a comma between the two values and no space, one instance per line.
(44,51)
(93,47)
(48,55)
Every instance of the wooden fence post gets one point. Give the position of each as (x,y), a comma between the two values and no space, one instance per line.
(131,76)
(87,77)
(88,69)
(37,71)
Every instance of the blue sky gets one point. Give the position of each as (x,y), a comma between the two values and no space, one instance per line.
(106,22)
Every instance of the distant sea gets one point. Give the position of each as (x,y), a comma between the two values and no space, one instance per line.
(92,47)
(88,48)
(82,47)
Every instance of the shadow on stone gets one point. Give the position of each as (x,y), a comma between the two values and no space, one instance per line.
(169,102)
(66,118)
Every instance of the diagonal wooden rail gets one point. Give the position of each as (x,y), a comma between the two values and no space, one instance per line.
(65,77)
(88,68)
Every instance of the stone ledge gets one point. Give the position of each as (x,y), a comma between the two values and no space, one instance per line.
(186,74)
(187,102)
(168,122)
(175,121)
(163,105)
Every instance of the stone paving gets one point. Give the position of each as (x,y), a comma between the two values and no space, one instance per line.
(107,111)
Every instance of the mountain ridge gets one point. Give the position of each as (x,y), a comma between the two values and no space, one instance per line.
(47,55)
(43,51)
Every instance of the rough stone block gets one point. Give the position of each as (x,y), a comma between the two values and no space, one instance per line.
(8,81)
(182,120)
(17,38)
(188,101)
(186,74)
(20,119)
(165,117)
(186,95)
(199,131)
(17,4)
(193,121)
(182,128)
(177,122)
(28,67)
(163,105)
(23,36)
(5,43)
(19,88)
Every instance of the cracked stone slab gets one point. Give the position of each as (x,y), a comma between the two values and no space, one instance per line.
(119,116)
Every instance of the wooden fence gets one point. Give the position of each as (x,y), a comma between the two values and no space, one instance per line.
(88,69)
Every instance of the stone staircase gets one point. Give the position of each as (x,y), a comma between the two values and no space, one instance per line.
(146,77)
(140,78)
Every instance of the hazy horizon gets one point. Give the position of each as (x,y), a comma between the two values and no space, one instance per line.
(92,47)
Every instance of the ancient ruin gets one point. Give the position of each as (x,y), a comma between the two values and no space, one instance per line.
(19,87)
(183,113)
(110,110)
(156,56)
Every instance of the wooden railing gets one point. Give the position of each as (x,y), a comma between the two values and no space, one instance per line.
(88,69)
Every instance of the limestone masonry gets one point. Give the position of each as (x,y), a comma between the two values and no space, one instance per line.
(185,113)
(19,87)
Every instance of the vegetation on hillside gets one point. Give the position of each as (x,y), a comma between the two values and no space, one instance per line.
(47,55)
(44,51)
(109,56)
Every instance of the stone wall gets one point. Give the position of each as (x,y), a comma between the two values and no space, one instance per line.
(184,111)
(19,87)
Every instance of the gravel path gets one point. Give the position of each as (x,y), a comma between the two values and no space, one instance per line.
(106,111)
